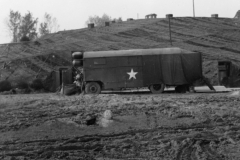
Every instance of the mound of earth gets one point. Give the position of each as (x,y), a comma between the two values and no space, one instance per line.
(216,38)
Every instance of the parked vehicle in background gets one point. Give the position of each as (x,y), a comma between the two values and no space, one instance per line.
(228,74)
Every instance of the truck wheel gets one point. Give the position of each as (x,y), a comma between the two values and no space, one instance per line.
(92,88)
(157,88)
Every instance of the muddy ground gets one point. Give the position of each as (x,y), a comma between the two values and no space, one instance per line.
(145,126)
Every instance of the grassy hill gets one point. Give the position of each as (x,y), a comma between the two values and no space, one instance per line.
(216,38)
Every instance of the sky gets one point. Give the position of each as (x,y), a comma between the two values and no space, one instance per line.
(72,14)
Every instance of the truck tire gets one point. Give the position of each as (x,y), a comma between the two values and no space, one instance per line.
(157,88)
(92,88)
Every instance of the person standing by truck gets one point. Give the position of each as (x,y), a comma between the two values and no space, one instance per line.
(79,80)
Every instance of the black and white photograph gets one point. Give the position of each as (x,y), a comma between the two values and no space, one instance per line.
(119,80)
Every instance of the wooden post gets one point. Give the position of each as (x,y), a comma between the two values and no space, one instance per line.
(193,9)
(170,30)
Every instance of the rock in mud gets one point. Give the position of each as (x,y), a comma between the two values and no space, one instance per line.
(107,114)
(106,119)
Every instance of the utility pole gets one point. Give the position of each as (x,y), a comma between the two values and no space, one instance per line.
(193,9)
(170,34)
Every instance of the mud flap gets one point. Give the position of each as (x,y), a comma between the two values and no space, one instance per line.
(206,81)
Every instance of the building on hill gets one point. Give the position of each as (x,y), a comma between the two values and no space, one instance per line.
(151,16)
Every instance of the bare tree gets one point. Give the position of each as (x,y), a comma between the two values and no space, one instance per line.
(49,25)
(28,27)
(21,27)
(118,20)
(237,15)
(43,29)
(13,22)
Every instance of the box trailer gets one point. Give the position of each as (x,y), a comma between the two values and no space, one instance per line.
(137,68)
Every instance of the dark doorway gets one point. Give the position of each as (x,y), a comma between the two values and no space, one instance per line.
(65,75)
(223,72)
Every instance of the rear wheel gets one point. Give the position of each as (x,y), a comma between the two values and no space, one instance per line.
(157,88)
(92,88)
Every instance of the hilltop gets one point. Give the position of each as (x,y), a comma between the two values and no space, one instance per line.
(216,38)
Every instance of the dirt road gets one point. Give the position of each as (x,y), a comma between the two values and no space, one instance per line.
(145,126)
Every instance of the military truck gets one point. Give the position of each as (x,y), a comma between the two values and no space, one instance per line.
(137,68)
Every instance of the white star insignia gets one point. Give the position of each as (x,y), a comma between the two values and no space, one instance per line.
(132,74)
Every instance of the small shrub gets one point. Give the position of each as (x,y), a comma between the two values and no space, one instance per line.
(48,82)
(37,84)
(24,39)
(5,86)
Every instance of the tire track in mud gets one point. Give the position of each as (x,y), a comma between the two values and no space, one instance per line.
(128,144)
(200,140)
(198,150)
(185,151)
